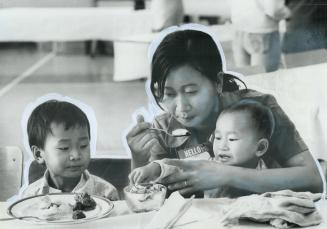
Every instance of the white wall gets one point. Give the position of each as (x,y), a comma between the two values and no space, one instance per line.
(302,94)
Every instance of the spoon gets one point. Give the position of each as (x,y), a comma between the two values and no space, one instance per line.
(175,133)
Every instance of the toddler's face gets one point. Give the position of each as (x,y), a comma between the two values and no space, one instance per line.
(189,96)
(235,140)
(67,152)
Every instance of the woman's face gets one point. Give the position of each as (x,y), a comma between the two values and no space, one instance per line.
(189,96)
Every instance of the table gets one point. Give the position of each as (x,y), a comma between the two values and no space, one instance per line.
(121,217)
(131,59)
(131,52)
(207,8)
(71,24)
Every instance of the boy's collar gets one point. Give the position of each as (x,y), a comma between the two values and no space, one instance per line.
(46,186)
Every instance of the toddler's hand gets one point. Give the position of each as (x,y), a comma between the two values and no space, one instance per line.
(145,173)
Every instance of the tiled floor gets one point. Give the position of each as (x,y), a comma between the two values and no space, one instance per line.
(78,76)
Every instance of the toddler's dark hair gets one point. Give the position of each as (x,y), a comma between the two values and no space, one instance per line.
(53,111)
(262,116)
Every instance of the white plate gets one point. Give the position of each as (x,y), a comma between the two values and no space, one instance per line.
(31,207)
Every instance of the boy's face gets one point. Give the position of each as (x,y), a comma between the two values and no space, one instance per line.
(66,152)
(236,141)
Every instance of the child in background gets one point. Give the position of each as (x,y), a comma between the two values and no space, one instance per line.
(241,139)
(256,39)
(59,137)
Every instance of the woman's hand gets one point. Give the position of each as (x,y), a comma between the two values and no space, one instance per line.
(143,143)
(203,175)
(195,175)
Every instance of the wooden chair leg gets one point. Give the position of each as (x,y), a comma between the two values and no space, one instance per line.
(93,48)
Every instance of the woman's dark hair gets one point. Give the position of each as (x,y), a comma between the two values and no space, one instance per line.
(191,47)
(53,111)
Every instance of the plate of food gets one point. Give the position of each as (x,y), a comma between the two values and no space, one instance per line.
(61,208)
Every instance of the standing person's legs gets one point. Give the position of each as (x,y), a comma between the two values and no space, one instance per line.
(268,51)
(241,57)
(264,48)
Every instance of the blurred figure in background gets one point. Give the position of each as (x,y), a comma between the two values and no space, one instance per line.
(257,40)
(139,4)
(166,13)
(306,29)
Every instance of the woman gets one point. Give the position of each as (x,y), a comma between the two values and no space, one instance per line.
(189,83)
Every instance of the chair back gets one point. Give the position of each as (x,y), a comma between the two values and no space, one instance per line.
(323,165)
(114,171)
(11,171)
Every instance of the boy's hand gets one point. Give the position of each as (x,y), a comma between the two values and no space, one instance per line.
(145,174)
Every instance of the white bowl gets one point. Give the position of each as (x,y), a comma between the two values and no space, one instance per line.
(143,198)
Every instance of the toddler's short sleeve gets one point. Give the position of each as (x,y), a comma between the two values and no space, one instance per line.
(286,140)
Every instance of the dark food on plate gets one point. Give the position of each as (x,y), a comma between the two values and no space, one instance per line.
(78,214)
(84,202)
(78,206)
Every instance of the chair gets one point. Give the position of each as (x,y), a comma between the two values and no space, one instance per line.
(11,171)
(114,171)
(323,165)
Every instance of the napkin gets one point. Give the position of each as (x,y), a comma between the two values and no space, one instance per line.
(171,208)
(282,209)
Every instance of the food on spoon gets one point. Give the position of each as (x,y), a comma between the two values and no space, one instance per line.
(180,132)
(145,197)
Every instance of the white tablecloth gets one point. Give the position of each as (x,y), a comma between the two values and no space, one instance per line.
(207,8)
(71,24)
(121,217)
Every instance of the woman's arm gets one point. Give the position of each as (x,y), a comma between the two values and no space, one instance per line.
(301,175)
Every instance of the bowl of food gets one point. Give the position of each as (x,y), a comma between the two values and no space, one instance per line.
(145,197)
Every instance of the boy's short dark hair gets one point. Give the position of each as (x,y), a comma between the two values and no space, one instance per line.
(53,111)
(262,116)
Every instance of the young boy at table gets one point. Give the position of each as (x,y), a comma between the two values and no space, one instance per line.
(59,137)
(241,139)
